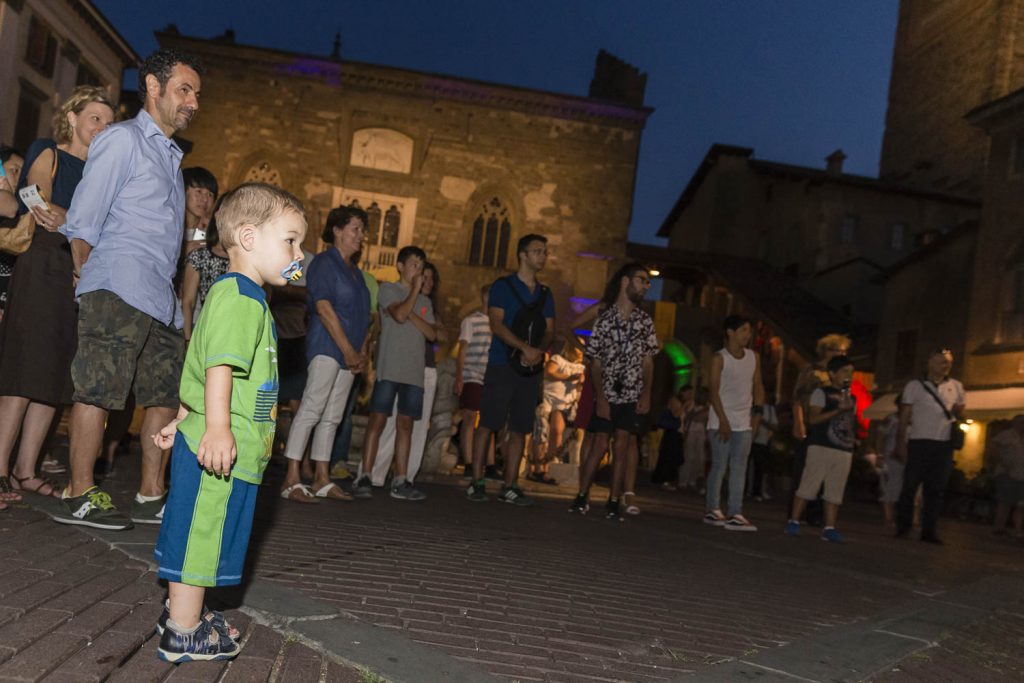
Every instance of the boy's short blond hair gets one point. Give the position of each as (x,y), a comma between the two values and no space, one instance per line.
(253,204)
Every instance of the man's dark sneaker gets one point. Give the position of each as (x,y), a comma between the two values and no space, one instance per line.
(832,536)
(92,508)
(213,616)
(580,505)
(363,490)
(514,495)
(611,510)
(931,538)
(491,472)
(150,512)
(206,643)
(738,523)
(406,491)
(477,492)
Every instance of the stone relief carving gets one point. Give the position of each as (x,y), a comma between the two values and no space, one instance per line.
(382,149)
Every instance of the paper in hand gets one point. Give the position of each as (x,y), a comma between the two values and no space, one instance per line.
(30,197)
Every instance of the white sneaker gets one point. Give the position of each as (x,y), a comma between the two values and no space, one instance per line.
(714,518)
(739,523)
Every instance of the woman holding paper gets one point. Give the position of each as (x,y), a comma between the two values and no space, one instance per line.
(38,334)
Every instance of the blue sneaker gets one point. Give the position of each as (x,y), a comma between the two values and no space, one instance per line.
(204,644)
(832,536)
(792,528)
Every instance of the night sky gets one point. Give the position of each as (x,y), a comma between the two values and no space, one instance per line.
(793,79)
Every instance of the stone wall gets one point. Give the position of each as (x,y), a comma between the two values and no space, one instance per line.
(793,220)
(558,165)
(929,298)
(995,340)
(80,39)
(950,57)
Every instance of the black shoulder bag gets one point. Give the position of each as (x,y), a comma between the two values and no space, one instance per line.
(956,435)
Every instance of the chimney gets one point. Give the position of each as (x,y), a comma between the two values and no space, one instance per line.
(336,49)
(617,81)
(834,162)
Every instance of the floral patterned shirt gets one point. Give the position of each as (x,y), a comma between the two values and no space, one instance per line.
(209,266)
(621,346)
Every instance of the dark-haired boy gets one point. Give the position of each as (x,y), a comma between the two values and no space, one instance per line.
(201,192)
(407,318)
(831,435)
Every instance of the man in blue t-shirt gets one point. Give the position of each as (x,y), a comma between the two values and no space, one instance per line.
(513,381)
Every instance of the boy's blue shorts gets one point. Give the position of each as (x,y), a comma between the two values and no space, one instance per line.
(206,526)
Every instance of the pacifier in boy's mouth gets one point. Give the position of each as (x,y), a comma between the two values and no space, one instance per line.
(293,272)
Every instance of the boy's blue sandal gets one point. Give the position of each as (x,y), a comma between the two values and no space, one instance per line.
(204,644)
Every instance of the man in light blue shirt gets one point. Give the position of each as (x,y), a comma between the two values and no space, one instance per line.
(125,227)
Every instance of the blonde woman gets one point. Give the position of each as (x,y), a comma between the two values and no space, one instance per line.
(38,334)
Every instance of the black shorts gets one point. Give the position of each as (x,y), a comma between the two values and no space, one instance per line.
(509,398)
(623,418)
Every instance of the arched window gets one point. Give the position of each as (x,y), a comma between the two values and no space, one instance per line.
(492,231)
(262,172)
(392,222)
(373,227)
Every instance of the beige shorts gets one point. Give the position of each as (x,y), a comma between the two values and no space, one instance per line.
(828,466)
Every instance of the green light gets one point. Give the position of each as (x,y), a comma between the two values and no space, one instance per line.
(682,361)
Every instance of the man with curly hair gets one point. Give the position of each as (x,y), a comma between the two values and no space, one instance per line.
(125,228)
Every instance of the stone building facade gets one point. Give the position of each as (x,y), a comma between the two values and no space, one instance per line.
(461,168)
(950,56)
(832,232)
(994,364)
(47,47)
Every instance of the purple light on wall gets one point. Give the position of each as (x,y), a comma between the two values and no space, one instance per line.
(311,68)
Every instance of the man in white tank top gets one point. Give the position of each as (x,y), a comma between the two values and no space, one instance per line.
(737,397)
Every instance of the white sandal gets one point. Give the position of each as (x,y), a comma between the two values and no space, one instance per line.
(325,492)
(304,494)
(631,509)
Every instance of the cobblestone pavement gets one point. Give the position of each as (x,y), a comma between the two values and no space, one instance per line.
(987,651)
(537,594)
(73,609)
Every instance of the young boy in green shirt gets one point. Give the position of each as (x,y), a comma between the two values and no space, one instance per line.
(224,431)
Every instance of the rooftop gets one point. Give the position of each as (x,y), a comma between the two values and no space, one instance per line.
(792,172)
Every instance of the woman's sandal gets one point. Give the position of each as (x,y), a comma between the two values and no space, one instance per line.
(332,491)
(299,493)
(631,508)
(8,494)
(43,481)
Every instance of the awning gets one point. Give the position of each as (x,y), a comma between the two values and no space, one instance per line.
(881,408)
(995,403)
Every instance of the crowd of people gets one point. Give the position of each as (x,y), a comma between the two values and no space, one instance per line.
(142,285)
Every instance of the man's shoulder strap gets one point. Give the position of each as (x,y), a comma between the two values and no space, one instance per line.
(924,384)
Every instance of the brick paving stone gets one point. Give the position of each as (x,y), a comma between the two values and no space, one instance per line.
(263,643)
(140,620)
(95,620)
(35,594)
(143,666)
(40,658)
(100,657)
(248,670)
(197,672)
(94,590)
(300,664)
(21,634)
(145,589)
(20,578)
(339,673)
